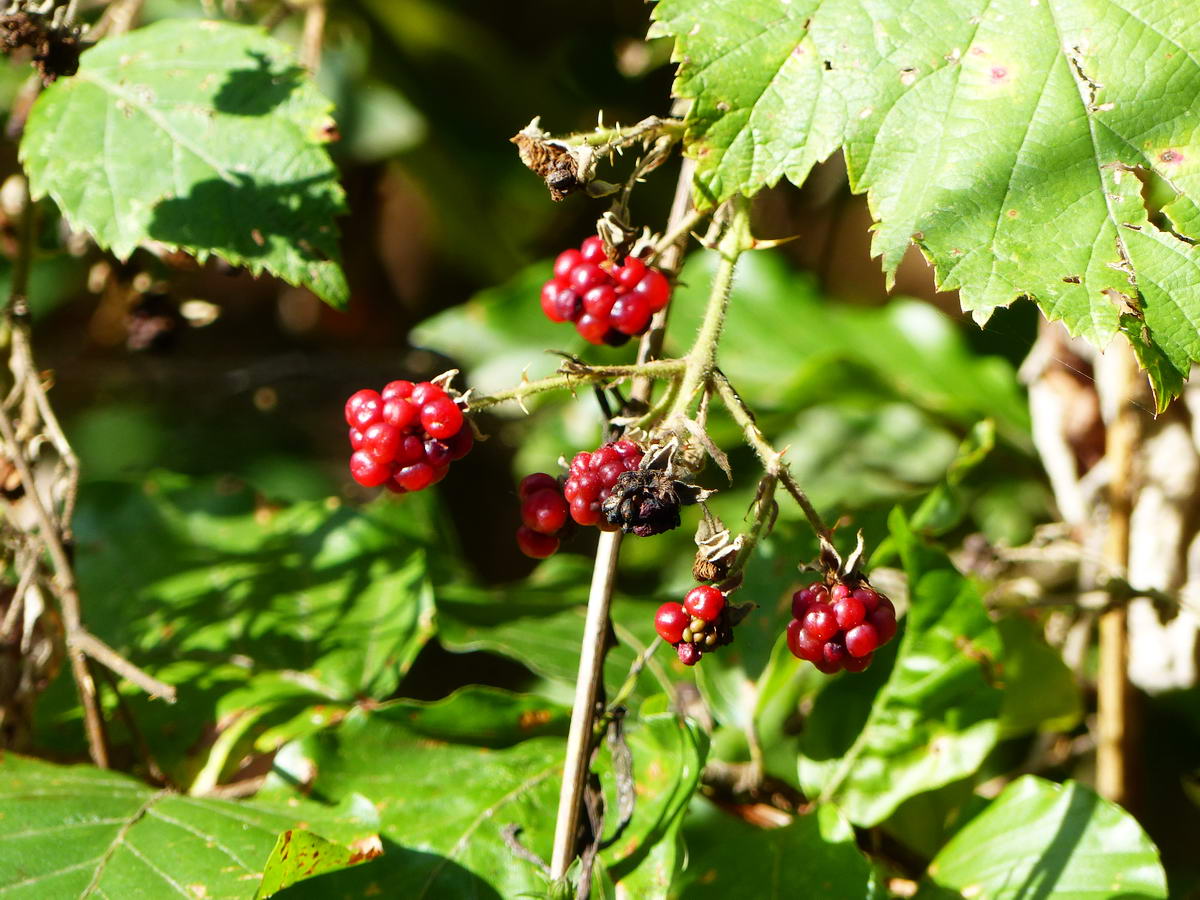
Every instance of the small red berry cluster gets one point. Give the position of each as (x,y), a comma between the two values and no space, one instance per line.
(839,627)
(549,504)
(591,478)
(697,625)
(543,515)
(607,303)
(405,436)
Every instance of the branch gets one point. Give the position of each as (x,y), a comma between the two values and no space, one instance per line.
(591,658)
(771,459)
(572,375)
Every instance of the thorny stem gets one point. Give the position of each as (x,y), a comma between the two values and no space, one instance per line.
(702,358)
(619,136)
(768,455)
(765,511)
(579,374)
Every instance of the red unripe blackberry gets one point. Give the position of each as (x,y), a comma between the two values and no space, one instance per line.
(569,304)
(598,302)
(655,289)
(400,413)
(441,417)
(381,441)
(367,470)
(461,444)
(424,391)
(704,602)
(410,450)
(586,275)
(857,664)
(591,328)
(627,449)
(549,300)
(416,477)
(630,273)
(867,597)
(801,601)
(630,314)
(537,546)
(592,250)
(862,639)
(564,263)
(689,654)
(802,644)
(538,481)
(437,453)
(585,512)
(394,390)
(669,622)
(835,654)
(544,511)
(356,439)
(363,408)
(849,611)
(820,622)
(883,620)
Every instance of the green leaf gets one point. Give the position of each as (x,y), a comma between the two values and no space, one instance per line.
(71,831)
(253,610)
(999,137)
(918,355)
(205,136)
(1055,841)
(933,721)
(814,856)
(539,622)
(447,802)
(446,805)
(299,855)
(668,756)
(1040,690)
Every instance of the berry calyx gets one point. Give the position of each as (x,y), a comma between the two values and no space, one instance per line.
(405,436)
(607,302)
(839,626)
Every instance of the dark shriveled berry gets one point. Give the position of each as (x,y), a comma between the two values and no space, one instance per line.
(689,654)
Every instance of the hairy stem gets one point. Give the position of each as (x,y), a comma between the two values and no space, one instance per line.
(702,358)
(771,459)
(576,375)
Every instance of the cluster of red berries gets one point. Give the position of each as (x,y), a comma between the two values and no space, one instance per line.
(839,627)
(543,515)
(405,436)
(607,303)
(548,506)
(695,626)
(592,476)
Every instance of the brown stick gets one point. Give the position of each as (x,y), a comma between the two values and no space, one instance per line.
(1112,725)
(595,629)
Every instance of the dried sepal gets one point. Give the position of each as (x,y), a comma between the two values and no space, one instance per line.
(564,167)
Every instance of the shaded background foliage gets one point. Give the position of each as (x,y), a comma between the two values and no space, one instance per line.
(216,503)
